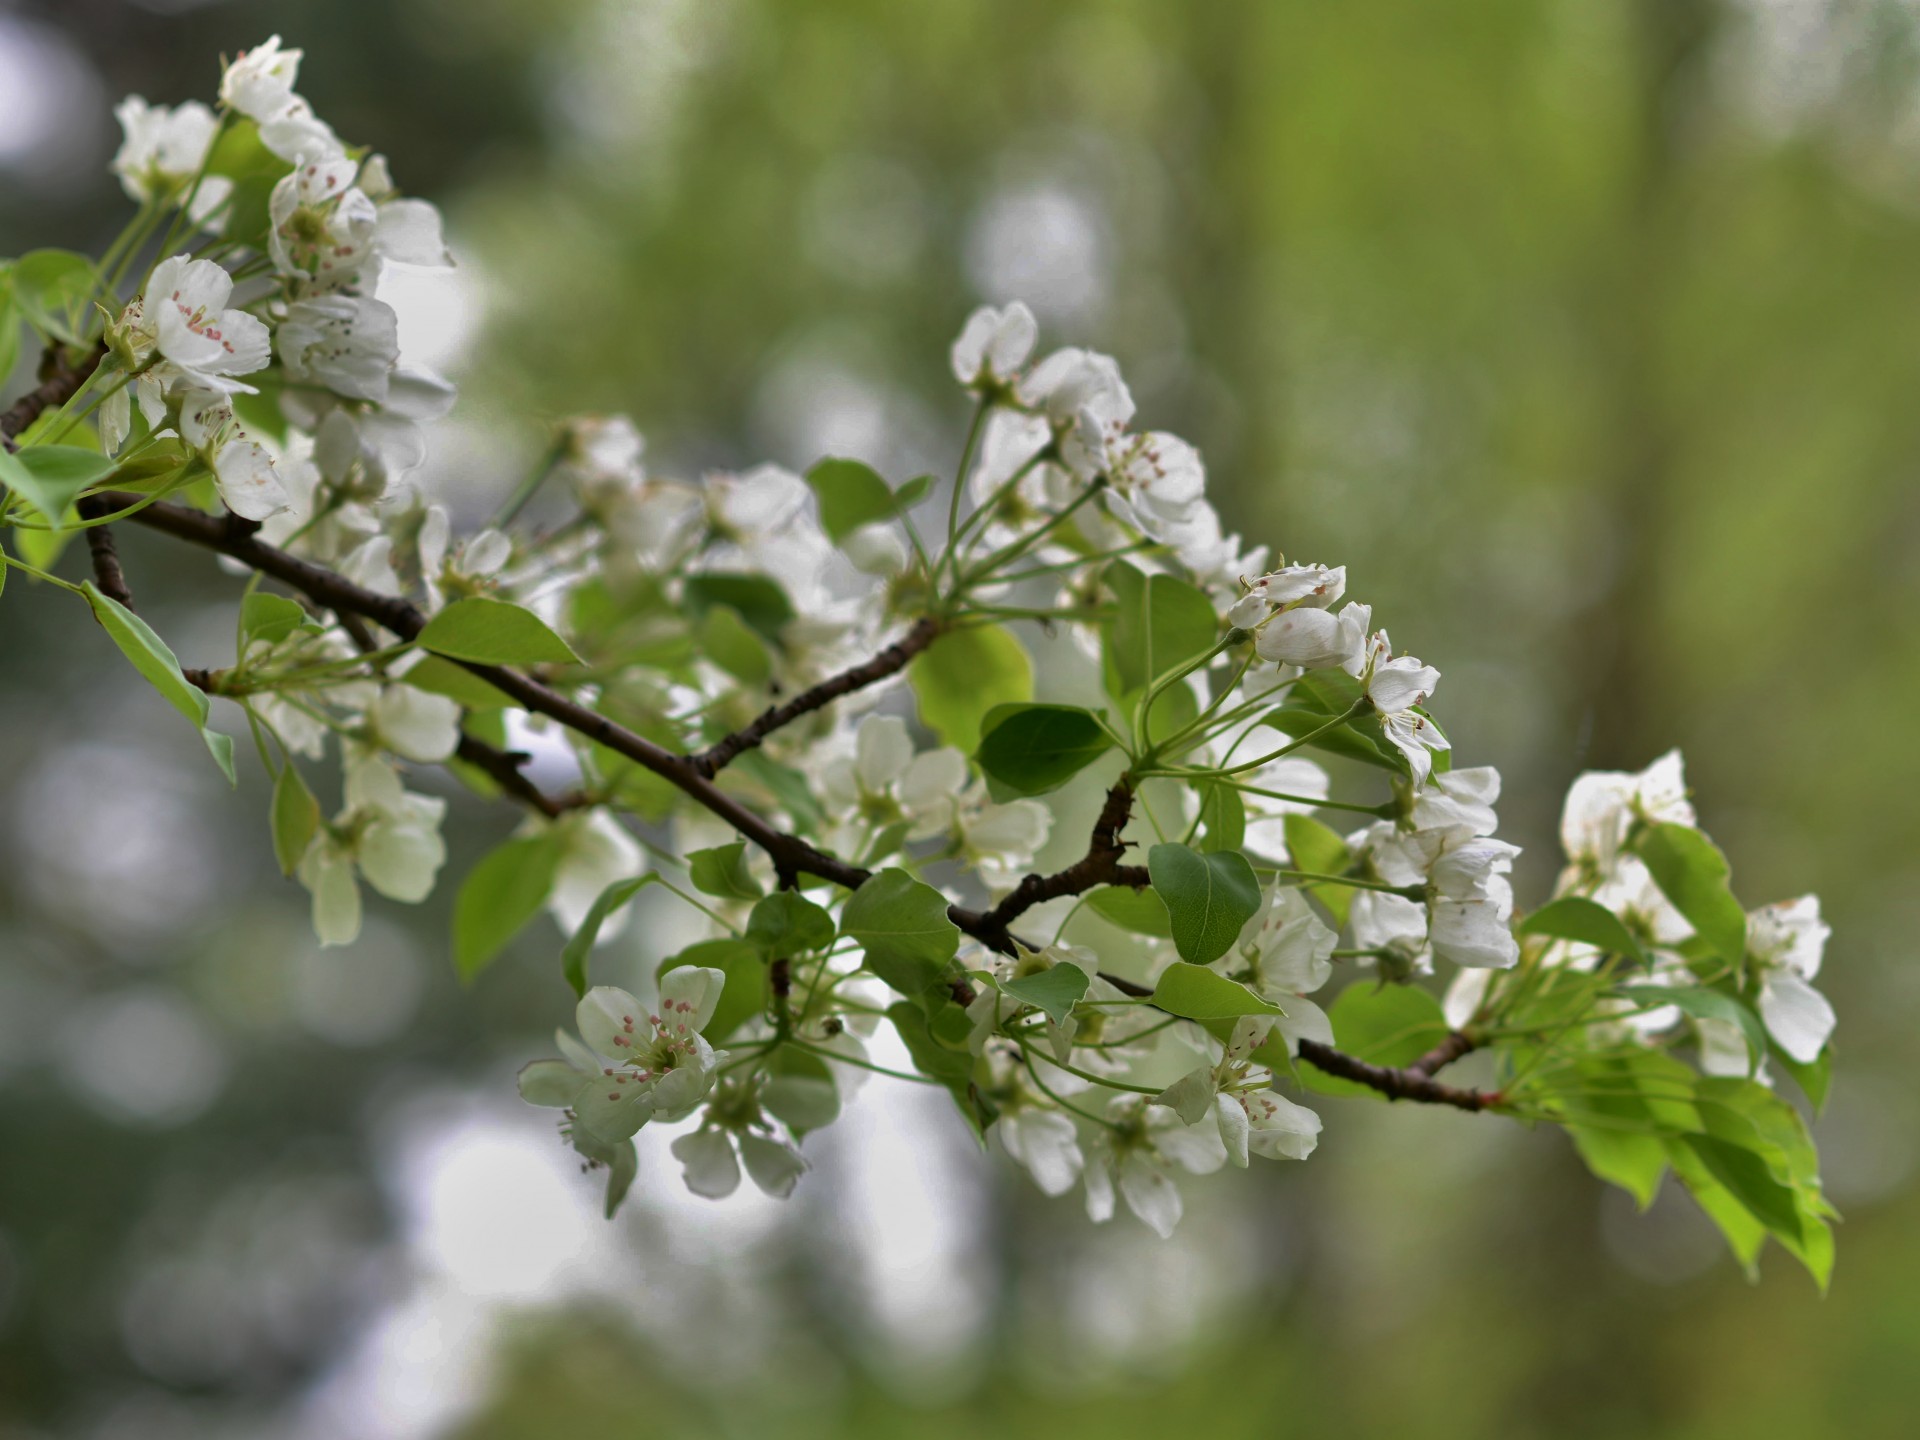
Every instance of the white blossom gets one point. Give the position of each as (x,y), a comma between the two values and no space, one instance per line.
(993,345)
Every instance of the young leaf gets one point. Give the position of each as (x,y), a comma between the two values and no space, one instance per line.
(1197,993)
(1209,897)
(1297,721)
(1813,1079)
(732,644)
(786,924)
(51,290)
(722,870)
(952,1068)
(1139,911)
(1692,873)
(1381,1024)
(964,674)
(758,600)
(1317,849)
(1699,1001)
(573,957)
(271,618)
(1223,817)
(851,494)
(51,477)
(494,632)
(1033,749)
(1159,623)
(1574,917)
(499,896)
(1056,990)
(296,815)
(1628,1158)
(151,657)
(903,926)
(442,677)
(745,993)
(800,1091)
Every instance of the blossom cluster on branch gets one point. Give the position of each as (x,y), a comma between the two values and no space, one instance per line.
(805,708)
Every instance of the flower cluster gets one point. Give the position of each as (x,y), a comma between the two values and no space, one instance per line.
(805,707)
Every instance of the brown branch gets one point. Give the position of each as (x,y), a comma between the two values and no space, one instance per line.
(791,855)
(232,537)
(1403,1082)
(503,768)
(60,380)
(1407,1082)
(1099,866)
(890,661)
(107,573)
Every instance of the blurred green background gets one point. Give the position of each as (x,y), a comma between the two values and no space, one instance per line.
(1583,331)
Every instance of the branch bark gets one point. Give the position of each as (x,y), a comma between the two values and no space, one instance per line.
(107,572)
(791,855)
(1099,866)
(60,380)
(890,661)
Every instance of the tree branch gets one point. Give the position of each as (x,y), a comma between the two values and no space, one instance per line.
(890,661)
(1408,1082)
(1099,866)
(503,768)
(60,381)
(791,855)
(107,573)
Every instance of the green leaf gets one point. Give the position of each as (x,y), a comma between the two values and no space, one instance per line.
(1197,993)
(1699,1001)
(1630,1159)
(964,674)
(1223,817)
(1033,749)
(1746,1176)
(758,600)
(51,477)
(1813,1079)
(912,492)
(1744,1233)
(494,632)
(1317,849)
(1055,990)
(1382,1025)
(851,494)
(151,657)
(732,644)
(722,870)
(1296,721)
(623,1164)
(745,993)
(9,329)
(1574,917)
(296,815)
(442,677)
(786,924)
(952,1068)
(1692,873)
(499,896)
(799,1091)
(1159,623)
(903,926)
(1140,912)
(573,956)
(270,618)
(52,289)
(1209,898)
